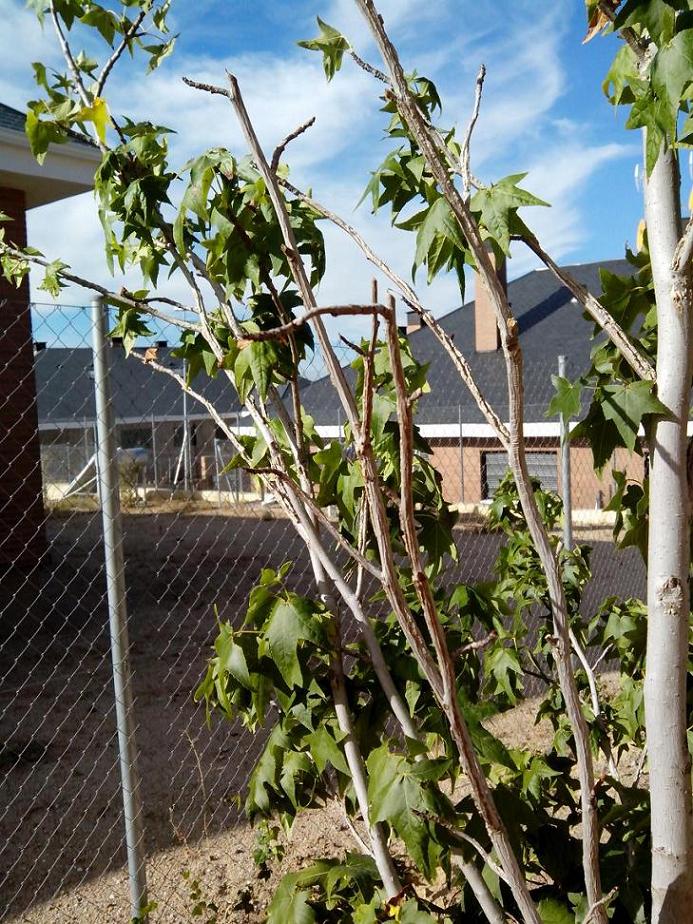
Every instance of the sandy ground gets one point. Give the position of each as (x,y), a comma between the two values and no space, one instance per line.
(61,841)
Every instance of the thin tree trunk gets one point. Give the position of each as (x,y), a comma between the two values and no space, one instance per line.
(430,146)
(668,561)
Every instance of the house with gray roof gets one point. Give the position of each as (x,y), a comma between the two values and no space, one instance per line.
(465,451)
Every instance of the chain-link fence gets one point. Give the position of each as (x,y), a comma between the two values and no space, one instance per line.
(195,537)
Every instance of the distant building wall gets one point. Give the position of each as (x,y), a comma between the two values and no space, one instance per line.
(22,539)
(464,478)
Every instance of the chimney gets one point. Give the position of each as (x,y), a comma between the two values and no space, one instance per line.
(116,341)
(161,344)
(486,333)
(39,346)
(414,322)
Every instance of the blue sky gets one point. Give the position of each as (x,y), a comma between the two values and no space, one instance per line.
(543,112)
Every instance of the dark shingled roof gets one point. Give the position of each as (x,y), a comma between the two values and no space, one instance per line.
(11,118)
(550,324)
(65,388)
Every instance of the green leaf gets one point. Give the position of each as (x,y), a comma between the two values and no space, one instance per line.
(51,280)
(264,775)
(657,16)
(600,433)
(231,656)
(397,796)
(325,750)
(622,77)
(382,410)
(498,204)
(672,69)
(567,400)
(290,906)
(158,53)
(412,914)
(332,44)
(41,134)
(437,227)
(626,405)
(293,764)
(552,911)
(502,663)
(293,620)
(130,326)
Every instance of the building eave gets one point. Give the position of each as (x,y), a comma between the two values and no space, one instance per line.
(68,169)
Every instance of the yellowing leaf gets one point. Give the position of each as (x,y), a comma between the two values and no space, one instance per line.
(598,22)
(640,236)
(98,114)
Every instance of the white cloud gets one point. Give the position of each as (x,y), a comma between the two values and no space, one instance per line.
(279,94)
(561,176)
(23,43)
(521,126)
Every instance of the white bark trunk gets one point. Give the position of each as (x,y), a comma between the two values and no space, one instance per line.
(668,563)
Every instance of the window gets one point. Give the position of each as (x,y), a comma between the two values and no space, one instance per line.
(134,437)
(541,465)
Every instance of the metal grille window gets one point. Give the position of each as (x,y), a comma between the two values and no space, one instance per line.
(542,465)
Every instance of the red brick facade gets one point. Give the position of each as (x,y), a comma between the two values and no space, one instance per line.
(589,490)
(22,538)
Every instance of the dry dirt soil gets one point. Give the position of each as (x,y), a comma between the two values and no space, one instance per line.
(61,835)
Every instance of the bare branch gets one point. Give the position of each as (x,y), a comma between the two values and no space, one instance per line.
(639,364)
(466,146)
(484,854)
(437,161)
(476,645)
(640,48)
(283,330)
(596,705)
(298,270)
(297,132)
(69,57)
(411,299)
(593,912)
(206,87)
(113,298)
(128,36)
(324,520)
(369,68)
(483,798)
(684,250)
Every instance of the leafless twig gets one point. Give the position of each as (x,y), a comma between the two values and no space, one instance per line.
(368,68)
(128,36)
(279,150)
(465,167)
(274,333)
(630,352)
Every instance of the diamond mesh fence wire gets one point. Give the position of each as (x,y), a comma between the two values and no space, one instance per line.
(195,539)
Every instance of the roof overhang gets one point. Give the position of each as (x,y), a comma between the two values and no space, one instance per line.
(68,169)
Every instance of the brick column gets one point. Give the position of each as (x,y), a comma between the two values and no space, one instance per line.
(22,537)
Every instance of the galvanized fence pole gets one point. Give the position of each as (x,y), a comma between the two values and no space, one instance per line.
(108,481)
(459,421)
(155,460)
(565,472)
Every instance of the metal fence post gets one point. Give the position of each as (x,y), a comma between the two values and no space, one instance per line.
(108,481)
(565,472)
(154,456)
(459,420)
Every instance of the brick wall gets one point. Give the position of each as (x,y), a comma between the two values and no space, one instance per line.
(22,537)
(587,486)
